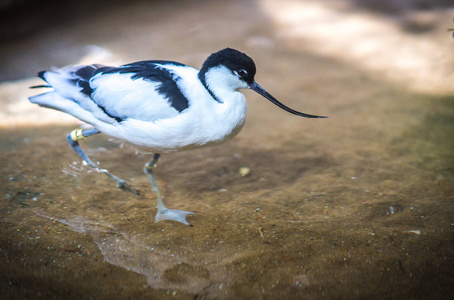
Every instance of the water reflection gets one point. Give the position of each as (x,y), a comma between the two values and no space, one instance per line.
(168,266)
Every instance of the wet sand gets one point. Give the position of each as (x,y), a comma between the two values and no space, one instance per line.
(359,205)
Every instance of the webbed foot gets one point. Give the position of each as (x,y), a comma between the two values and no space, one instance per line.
(173,214)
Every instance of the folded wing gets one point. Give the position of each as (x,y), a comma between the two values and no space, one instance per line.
(145,91)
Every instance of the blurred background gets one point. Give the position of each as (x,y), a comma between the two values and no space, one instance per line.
(359,205)
(403,42)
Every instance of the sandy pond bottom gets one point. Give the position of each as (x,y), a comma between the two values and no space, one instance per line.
(359,205)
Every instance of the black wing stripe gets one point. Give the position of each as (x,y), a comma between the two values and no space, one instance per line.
(83,75)
(151,71)
(118,119)
(82,79)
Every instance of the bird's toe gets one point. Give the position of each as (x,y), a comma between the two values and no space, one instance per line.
(126,187)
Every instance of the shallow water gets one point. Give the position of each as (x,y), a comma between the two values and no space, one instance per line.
(359,205)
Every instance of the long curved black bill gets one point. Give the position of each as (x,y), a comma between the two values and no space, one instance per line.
(257,88)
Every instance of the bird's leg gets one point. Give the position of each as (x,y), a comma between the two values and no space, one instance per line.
(80,134)
(163,212)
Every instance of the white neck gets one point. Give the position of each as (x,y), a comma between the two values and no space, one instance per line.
(223,83)
(231,107)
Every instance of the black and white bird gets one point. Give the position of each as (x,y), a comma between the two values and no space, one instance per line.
(162,106)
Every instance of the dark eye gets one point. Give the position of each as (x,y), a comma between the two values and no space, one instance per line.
(242,73)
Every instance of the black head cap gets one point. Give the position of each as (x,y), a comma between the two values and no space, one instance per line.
(236,61)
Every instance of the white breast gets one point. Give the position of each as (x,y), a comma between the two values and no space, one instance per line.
(204,123)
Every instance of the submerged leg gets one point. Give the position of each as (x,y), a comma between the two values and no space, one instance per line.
(163,212)
(80,134)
